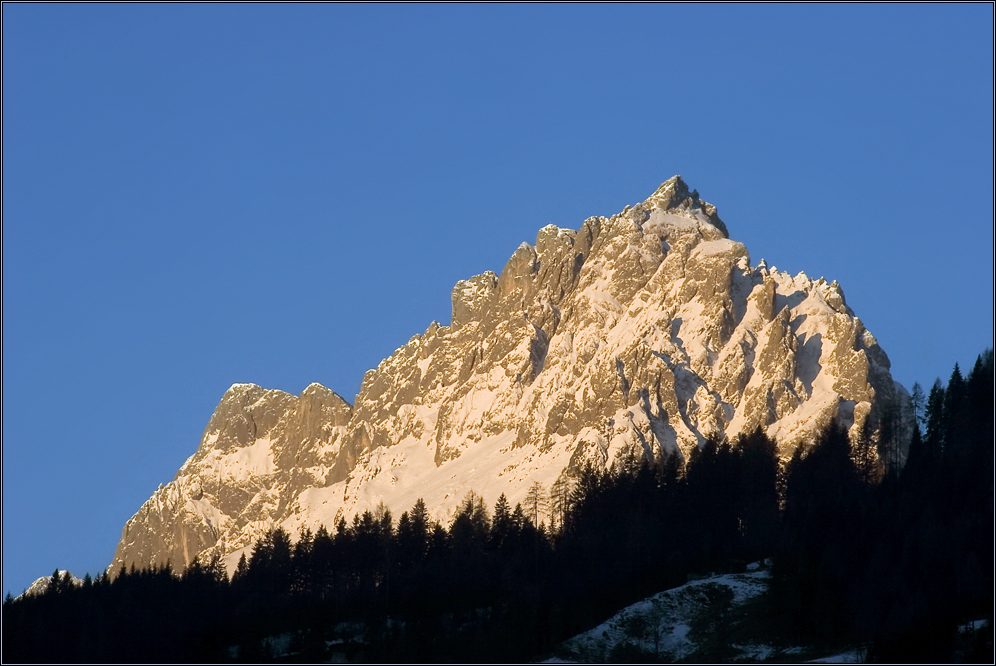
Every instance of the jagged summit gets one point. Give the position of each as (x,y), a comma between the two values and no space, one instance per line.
(645,333)
(674,194)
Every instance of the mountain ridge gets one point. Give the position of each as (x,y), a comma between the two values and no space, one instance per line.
(647,332)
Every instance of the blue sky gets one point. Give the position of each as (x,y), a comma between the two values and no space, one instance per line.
(197,195)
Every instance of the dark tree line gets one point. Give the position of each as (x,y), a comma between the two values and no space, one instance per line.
(895,559)
(492,585)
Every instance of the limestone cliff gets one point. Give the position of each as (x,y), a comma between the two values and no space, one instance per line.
(646,332)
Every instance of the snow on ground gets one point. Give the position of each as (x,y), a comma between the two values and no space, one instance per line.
(686,623)
(403,473)
(849,657)
(755,652)
(41,584)
(661,625)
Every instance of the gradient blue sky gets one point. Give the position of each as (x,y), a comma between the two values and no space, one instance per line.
(196,195)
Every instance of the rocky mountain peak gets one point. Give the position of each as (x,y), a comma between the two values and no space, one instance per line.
(673,194)
(645,333)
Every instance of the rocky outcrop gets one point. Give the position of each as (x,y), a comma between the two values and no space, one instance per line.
(647,332)
(260,448)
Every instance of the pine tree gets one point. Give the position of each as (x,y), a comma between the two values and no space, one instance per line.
(194,571)
(758,499)
(868,451)
(501,524)
(471,523)
(281,553)
(420,526)
(216,569)
(322,556)
(54,583)
(956,418)
(916,459)
(935,420)
(305,541)
(241,569)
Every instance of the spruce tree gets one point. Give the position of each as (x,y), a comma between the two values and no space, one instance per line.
(54,586)
(241,569)
(935,420)
(501,524)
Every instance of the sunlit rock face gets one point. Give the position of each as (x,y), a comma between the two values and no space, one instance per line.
(644,333)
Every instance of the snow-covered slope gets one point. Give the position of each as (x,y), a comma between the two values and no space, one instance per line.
(661,627)
(649,331)
(40,586)
(710,620)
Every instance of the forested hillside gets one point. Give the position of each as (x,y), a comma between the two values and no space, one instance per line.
(864,553)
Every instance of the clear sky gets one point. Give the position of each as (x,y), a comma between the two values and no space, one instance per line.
(197,195)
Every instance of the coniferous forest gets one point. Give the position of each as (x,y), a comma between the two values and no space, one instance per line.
(865,551)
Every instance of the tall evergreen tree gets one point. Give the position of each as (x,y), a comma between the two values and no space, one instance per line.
(501,524)
(936,421)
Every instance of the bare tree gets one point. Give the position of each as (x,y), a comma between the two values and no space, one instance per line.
(536,501)
(560,502)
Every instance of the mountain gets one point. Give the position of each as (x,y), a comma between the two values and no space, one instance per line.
(645,333)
